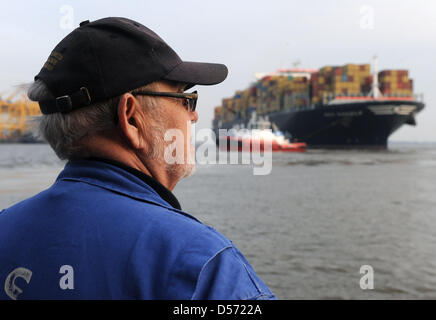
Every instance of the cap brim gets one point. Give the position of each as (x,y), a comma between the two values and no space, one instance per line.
(193,73)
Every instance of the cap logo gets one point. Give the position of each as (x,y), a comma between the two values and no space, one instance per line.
(52,60)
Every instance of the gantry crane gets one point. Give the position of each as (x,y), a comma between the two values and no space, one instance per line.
(15,112)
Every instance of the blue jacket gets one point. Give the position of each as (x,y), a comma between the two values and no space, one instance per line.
(101,232)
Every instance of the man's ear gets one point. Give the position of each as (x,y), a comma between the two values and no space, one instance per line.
(129,121)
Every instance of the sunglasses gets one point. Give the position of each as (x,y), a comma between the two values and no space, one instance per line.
(189,99)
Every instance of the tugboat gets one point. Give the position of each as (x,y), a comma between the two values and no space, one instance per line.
(259,136)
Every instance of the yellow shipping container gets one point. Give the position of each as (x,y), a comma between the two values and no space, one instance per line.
(258,109)
(245,98)
(321,93)
(388,79)
(326,69)
(252,101)
(229,117)
(346,85)
(316,100)
(275,104)
(237,104)
(349,68)
(401,91)
(218,110)
(336,79)
(366,67)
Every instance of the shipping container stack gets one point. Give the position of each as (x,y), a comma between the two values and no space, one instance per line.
(245,104)
(270,94)
(333,81)
(218,111)
(321,83)
(262,88)
(284,92)
(348,80)
(237,104)
(276,87)
(253,101)
(295,93)
(367,85)
(227,113)
(395,83)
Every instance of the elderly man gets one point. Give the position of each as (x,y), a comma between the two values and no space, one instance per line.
(109,227)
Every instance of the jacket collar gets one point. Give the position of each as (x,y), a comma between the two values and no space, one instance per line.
(160,189)
(114,178)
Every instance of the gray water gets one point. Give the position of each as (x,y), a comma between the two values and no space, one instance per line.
(308,226)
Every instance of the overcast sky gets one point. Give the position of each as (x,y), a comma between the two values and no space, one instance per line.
(247,36)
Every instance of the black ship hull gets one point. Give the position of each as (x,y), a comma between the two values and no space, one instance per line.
(355,124)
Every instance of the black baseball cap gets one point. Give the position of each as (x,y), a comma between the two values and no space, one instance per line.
(111,56)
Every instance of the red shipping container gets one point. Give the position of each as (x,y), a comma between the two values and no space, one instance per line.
(368,80)
(350,78)
(401,73)
(403,85)
(253,91)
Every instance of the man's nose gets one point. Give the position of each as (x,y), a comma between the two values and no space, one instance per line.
(194,116)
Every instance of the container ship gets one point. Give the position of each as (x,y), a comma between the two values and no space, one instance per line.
(331,107)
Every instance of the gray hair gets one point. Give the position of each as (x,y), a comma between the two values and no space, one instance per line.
(62,131)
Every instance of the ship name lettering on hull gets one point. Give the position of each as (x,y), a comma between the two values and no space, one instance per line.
(343,114)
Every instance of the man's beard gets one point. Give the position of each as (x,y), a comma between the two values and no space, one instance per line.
(156,143)
(182,170)
(190,163)
(176,171)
